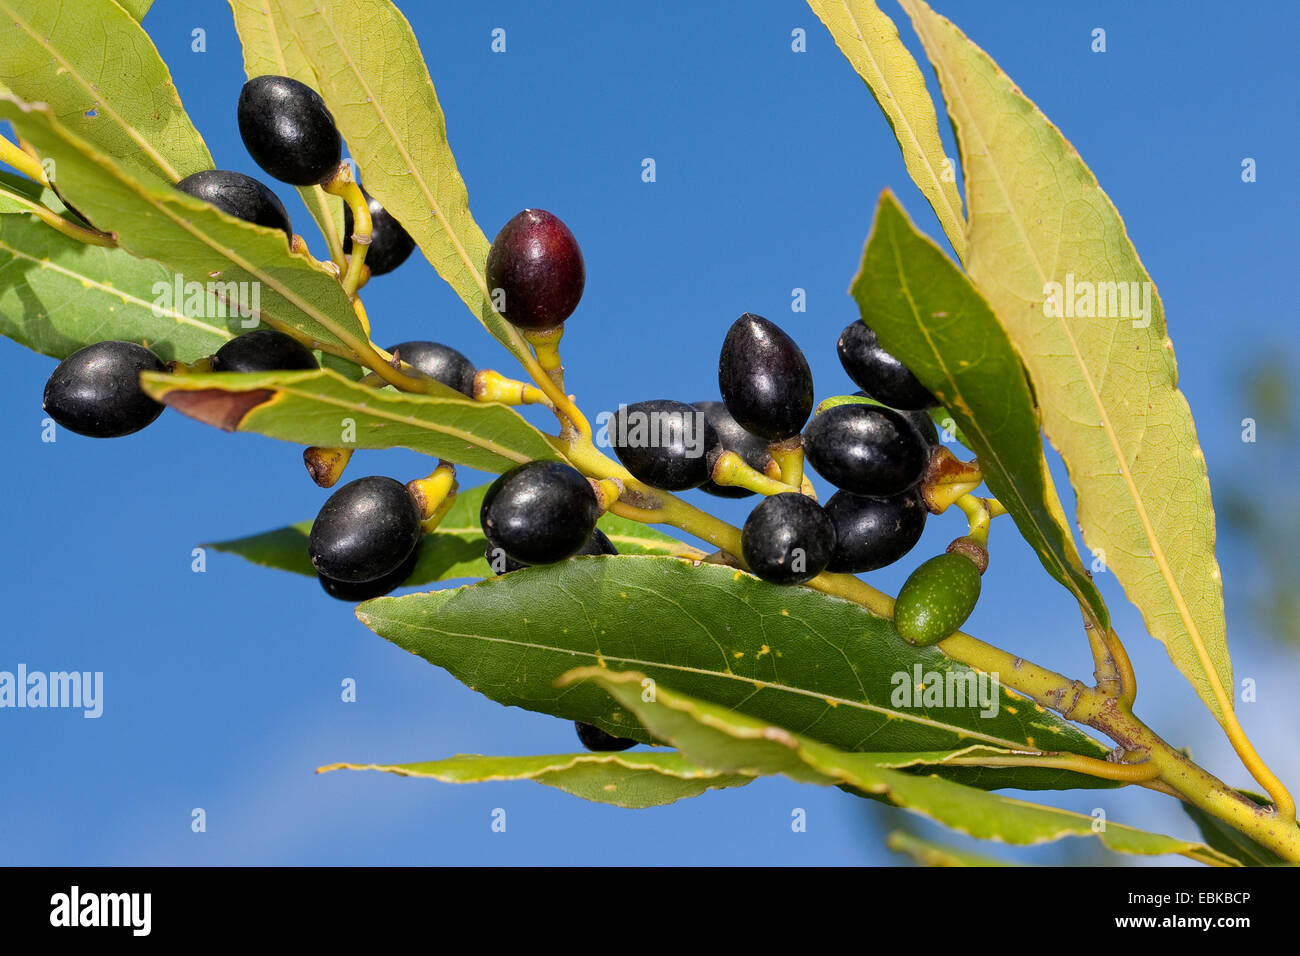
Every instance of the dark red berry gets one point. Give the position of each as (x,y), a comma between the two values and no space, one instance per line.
(96,391)
(665,443)
(540,512)
(440,362)
(366,531)
(288,130)
(878,373)
(765,379)
(866,449)
(734,438)
(787,539)
(535,271)
(263,350)
(390,244)
(238,195)
(873,533)
(598,741)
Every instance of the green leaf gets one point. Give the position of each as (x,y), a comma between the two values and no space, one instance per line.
(929,853)
(20,194)
(137,8)
(926,312)
(97,70)
(270,48)
(455,550)
(58,295)
(324,408)
(190,237)
(1107,386)
(796,657)
(375,82)
(634,780)
(869,39)
(1232,842)
(717,737)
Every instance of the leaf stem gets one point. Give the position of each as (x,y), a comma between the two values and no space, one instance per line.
(342,185)
(1104,769)
(25,163)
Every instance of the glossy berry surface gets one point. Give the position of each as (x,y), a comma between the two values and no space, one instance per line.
(540,512)
(366,530)
(936,599)
(734,438)
(390,244)
(95,391)
(665,443)
(263,350)
(288,130)
(598,543)
(878,373)
(536,268)
(765,380)
(866,449)
(920,420)
(595,739)
(238,195)
(440,362)
(873,533)
(787,539)
(365,590)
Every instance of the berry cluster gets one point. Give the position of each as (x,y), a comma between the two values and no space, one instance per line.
(874,448)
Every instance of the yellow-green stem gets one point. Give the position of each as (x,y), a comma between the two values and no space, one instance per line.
(26,164)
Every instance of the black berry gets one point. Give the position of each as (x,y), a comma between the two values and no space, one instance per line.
(734,438)
(598,543)
(765,379)
(366,530)
(787,539)
(540,512)
(364,591)
(238,195)
(535,271)
(440,362)
(390,244)
(595,739)
(866,449)
(288,130)
(873,533)
(920,420)
(95,391)
(665,443)
(878,373)
(263,350)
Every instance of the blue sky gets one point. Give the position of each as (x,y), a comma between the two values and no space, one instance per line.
(222,689)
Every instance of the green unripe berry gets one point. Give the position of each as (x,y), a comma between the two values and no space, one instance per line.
(936,599)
